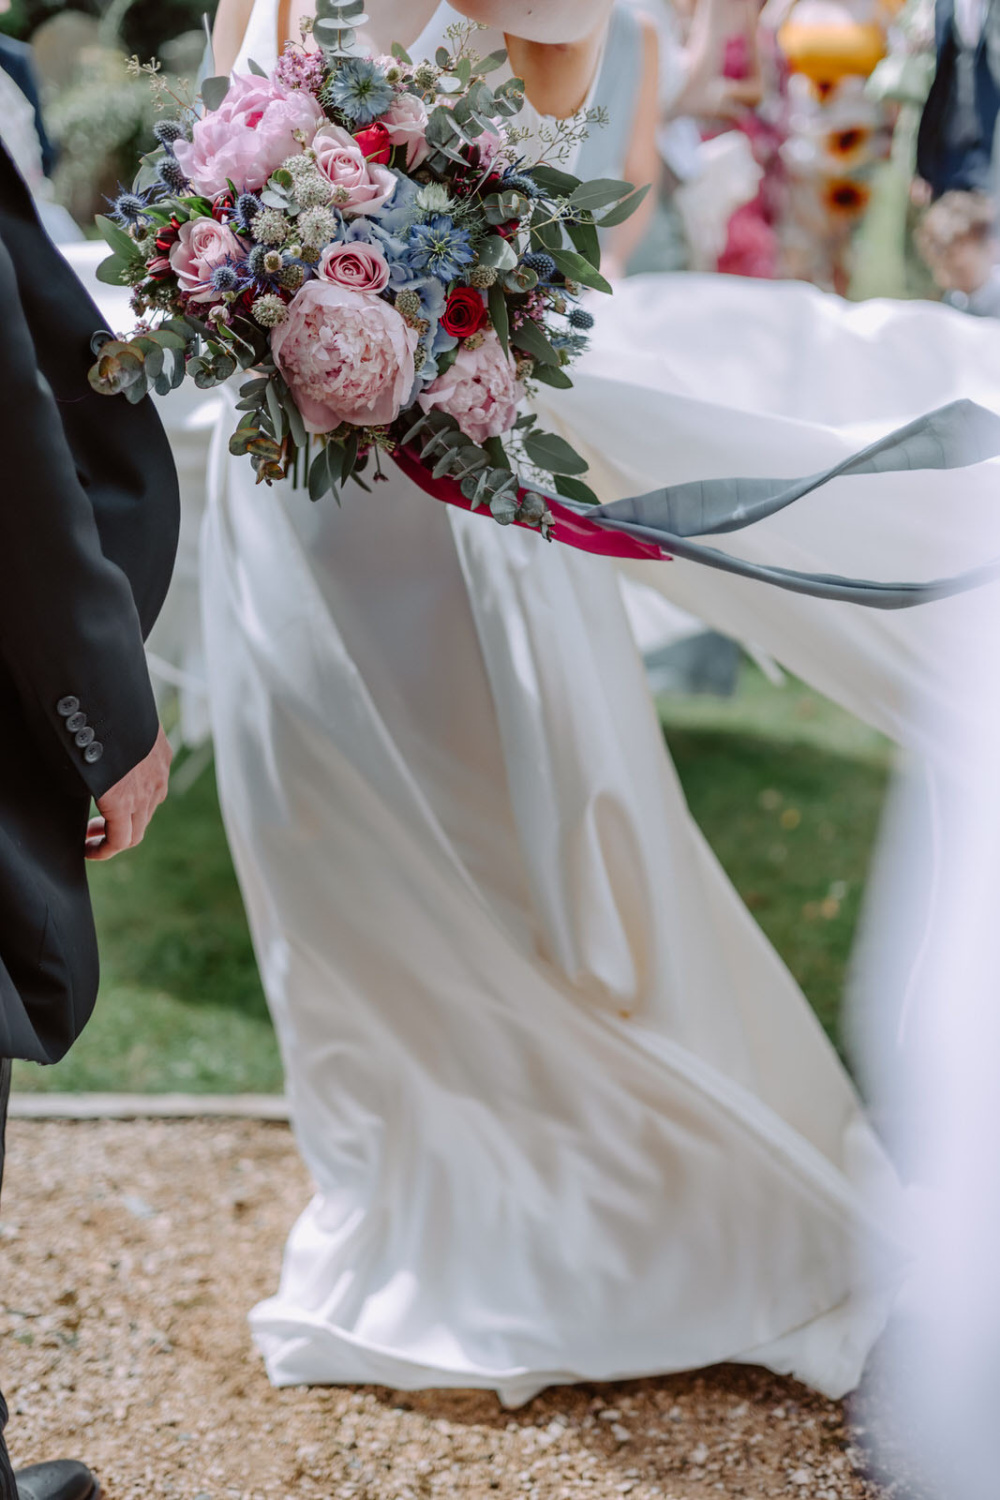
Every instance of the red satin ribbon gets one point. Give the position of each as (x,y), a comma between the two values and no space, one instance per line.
(570,528)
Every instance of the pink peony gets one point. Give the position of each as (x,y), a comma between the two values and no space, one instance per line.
(248,136)
(347,356)
(406,123)
(480,391)
(359,186)
(200,246)
(360,267)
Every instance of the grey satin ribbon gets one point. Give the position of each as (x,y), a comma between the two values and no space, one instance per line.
(953,437)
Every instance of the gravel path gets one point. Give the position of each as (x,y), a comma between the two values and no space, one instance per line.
(131,1252)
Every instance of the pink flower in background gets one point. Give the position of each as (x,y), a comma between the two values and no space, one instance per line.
(360,267)
(347,356)
(480,390)
(248,136)
(360,187)
(406,122)
(201,246)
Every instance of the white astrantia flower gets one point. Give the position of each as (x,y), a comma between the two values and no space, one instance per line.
(434,198)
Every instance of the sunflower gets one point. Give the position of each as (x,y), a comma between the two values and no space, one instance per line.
(844,198)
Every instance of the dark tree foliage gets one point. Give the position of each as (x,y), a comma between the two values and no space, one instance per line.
(147,25)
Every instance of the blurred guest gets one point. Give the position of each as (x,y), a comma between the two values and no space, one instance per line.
(955,143)
(957,239)
(25,138)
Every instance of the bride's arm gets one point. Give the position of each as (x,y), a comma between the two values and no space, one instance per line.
(642,160)
(231,21)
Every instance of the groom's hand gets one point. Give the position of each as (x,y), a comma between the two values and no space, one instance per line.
(127,808)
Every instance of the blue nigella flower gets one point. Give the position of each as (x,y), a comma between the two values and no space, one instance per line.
(360,90)
(440,247)
(129,208)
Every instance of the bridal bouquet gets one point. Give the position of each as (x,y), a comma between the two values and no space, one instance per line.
(366,241)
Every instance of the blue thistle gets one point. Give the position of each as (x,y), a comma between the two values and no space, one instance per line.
(360,90)
(580,318)
(255,263)
(541,263)
(226,279)
(171,175)
(520,182)
(439,247)
(248,206)
(169,132)
(129,208)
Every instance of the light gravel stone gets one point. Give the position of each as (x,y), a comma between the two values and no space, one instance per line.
(125,1343)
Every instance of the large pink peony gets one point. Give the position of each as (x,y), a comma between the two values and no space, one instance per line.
(481,391)
(359,186)
(201,246)
(347,356)
(406,122)
(248,136)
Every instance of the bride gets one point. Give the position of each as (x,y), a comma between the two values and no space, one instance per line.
(567,1114)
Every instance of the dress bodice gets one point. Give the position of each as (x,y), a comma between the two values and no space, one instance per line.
(614,90)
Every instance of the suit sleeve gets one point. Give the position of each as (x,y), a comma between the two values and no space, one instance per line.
(70,635)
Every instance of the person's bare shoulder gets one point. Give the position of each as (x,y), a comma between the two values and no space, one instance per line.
(231,20)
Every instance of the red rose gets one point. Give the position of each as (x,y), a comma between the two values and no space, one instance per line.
(465,313)
(376,143)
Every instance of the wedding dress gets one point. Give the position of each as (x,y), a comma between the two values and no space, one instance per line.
(567,1114)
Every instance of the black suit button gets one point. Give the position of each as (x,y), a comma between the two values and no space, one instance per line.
(76,721)
(93,752)
(67,706)
(84,737)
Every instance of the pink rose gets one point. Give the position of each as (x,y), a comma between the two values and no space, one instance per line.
(248,136)
(480,390)
(347,356)
(360,267)
(359,186)
(406,123)
(202,245)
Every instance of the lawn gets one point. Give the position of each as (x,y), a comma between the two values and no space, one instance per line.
(787,788)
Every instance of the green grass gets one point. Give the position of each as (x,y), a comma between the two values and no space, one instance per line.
(787,788)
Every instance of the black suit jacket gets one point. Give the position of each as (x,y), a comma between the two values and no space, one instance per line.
(89,514)
(955,140)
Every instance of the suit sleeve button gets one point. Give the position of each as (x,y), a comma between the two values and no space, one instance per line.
(75,722)
(93,752)
(84,737)
(67,706)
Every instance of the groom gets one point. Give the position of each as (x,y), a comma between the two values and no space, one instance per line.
(88,533)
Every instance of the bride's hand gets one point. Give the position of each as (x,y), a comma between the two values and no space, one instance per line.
(554,22)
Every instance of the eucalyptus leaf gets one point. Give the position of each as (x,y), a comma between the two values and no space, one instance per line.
(275,409)
(551,180)
(575,489)
(553,375)
(256,68)
(497,253)
(113,272)
(121,243)
(575,268)
(498,315)
(320,481)
(400,53)
(532,340)
(624,210)
(553,454)
(600,191)
(586,242)
(493,60)
(213,91)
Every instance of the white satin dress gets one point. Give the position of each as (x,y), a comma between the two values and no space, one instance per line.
(567,1114)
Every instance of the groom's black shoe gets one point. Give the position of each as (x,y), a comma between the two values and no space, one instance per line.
(63,1479)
